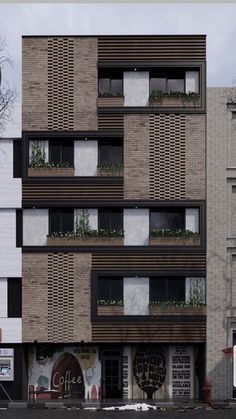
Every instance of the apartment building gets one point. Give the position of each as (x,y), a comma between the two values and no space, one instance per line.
(221,242)
(11,349)
(113,216)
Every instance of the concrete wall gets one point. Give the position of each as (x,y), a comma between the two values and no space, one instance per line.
(136,88)
(221,240)
(35,227)
(10,188)
(11,330)
(136,296)
(136,227)
(86,158)
(10,256)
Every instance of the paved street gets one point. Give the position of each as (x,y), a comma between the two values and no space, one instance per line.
(85,414)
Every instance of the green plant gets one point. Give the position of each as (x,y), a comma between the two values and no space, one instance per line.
(158,95)
(38,155)
(110,302)
(177,304)
(86,234)
(166,232)
(82,227)
(111,167)
(196,293)
(38,158)
(114,94)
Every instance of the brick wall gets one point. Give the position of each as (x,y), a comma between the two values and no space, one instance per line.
(136,157)
(51,88)
(56,297)
(195,156)
(34,84)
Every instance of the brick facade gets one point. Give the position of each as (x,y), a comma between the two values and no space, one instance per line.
(136,156)
(43,95)
(51,311)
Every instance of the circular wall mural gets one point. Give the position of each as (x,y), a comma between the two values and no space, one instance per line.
(149,368)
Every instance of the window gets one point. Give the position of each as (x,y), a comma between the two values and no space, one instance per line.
(168,219)
(110,84)
(168,80)
(110,219)
(61,152)
(110,152)
(61,220)
(110,288)
(14,298)
(167,289)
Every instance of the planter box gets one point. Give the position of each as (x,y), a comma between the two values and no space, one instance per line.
(110,310)
(175,102)
(50,171)
(102,172)
(177,311)
(88,241)
(110,101)
(174,241)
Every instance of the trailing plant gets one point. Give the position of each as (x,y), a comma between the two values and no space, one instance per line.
(158,95)
(86,234)
(196,293)
(110,167)
(114,94)
(110,302)
(166,232)
(38,155)
(38,158)
(82,227)
(177,304)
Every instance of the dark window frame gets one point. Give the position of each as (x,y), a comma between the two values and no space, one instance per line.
(60,211)
(167,210)
(164,74)
(110,279)
(168,280)
(110,143)
(62,143)
(109,212)
(111,76)
(14,297)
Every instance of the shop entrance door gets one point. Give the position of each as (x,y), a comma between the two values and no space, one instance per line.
(112,374)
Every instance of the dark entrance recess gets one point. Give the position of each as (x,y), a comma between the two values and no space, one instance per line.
(112,373)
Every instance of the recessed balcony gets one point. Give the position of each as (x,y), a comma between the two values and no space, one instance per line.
(89,238)
(175,237)
(175,99)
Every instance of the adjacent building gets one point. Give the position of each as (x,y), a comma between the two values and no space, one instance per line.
(221,242)
(113,216)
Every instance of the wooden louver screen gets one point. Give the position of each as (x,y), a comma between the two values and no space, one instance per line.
(108,121)
(149,48)
(60,297)
(167,156)
(60,84)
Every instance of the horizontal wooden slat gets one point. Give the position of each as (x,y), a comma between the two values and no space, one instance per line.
(153,47)
(72,192)
(150,261)
(145,332)
(110,121)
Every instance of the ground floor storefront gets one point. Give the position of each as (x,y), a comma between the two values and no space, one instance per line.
(137,371)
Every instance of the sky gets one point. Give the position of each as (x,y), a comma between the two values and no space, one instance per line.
(217,21)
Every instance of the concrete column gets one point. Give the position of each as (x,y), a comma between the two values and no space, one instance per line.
(136,88)
(136,227)
(86,158)
(136,296)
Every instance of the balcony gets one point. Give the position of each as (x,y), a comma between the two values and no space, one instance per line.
(175,99)
(48,171)
(183,309)
(96,240)
(110,170)
(175,237)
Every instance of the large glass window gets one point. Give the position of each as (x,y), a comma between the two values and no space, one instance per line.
(167,289)
(110,152)
(168,80)
(61,152)
(110,84)
(110,219)
(110,288)
(61,220)
(168,219)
